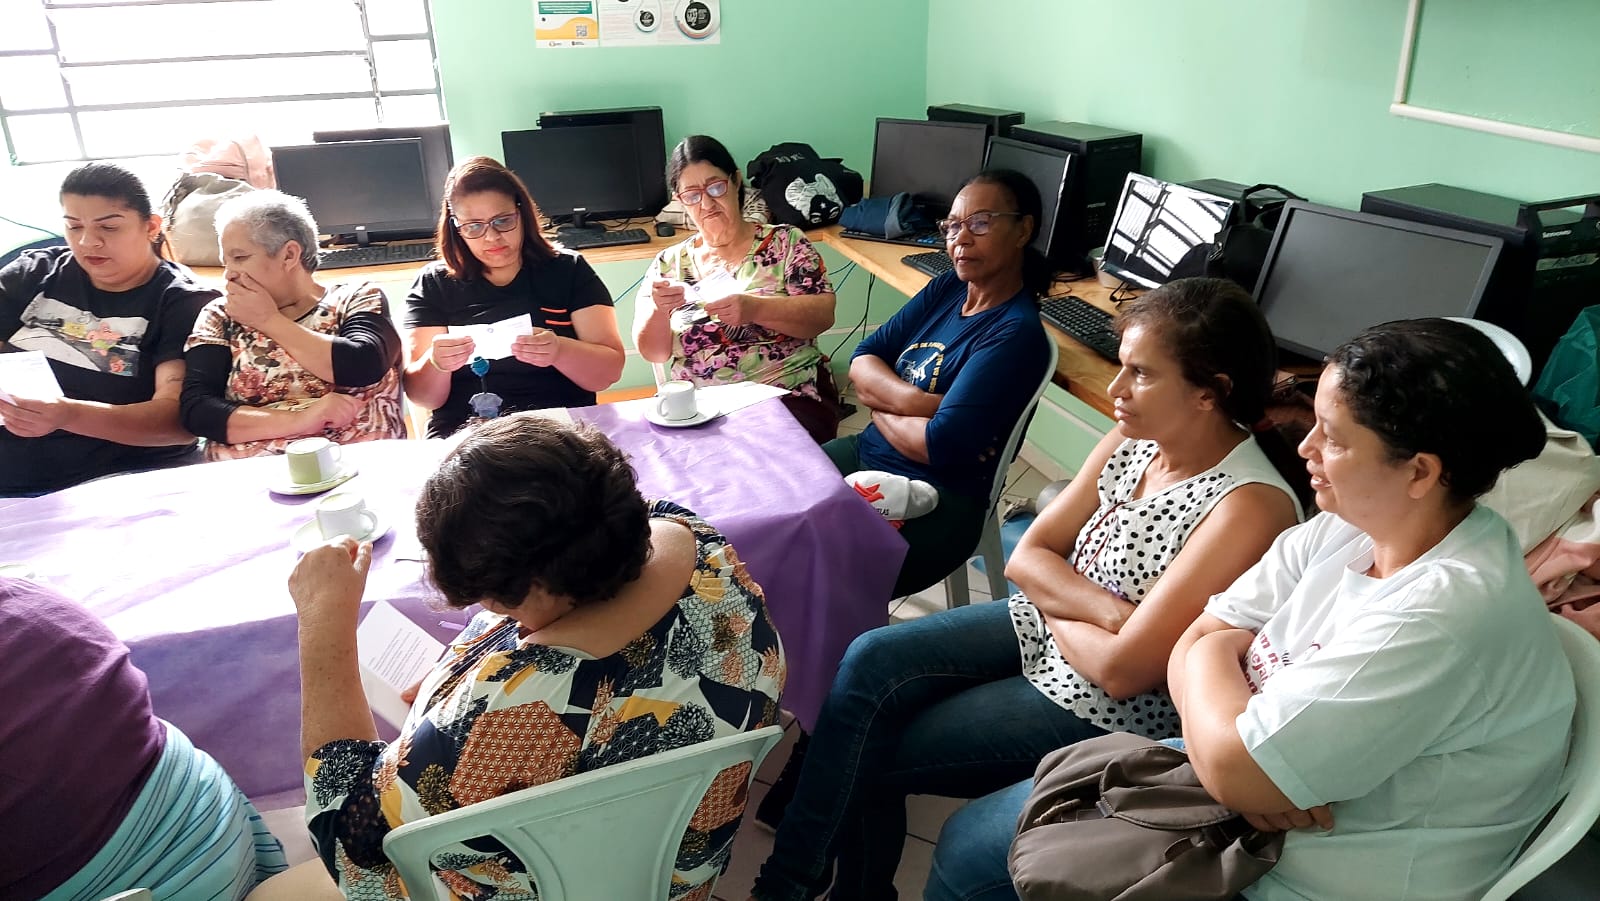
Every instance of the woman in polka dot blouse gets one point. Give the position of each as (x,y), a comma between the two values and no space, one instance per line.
(1170,507)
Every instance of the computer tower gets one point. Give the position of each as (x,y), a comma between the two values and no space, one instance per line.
(1234,191)
(1107,156)
(1549,269)
(998,121)
(649,135)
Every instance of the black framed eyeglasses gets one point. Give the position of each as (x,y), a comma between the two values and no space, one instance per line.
(714,189)
(978,223)
(477,228)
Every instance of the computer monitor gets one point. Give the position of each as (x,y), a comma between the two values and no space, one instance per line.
(1050,170)
(1330,273)
(928,160)
(592,168)
(437,156)
(1156,225)
(360,189)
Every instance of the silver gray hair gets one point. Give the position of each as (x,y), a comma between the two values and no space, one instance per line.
(273,219)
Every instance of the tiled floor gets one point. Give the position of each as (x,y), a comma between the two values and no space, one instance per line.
(925,814)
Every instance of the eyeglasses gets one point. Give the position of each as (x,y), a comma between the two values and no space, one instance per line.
(713,189)
(978,223)
(477,228)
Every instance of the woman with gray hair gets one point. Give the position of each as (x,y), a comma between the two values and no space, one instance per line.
(279,356)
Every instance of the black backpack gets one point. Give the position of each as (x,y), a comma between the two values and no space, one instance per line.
(801,188)
(1240,248)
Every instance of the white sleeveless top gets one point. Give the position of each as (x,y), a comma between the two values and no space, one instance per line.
(1125,547)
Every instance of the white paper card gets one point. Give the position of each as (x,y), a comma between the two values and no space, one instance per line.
(492,341)
(395,654)
(713,289)
(27,374)
(727,398)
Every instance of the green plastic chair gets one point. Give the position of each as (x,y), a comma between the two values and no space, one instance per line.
(604,835)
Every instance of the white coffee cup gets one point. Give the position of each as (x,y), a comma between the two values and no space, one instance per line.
(344,513)
(675,400)
(312,460)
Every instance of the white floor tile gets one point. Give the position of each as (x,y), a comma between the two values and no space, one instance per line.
(289,825)
(925,815)
(915,861)
(1017,471)
(1028,484)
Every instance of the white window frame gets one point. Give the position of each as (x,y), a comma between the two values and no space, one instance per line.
(74,110)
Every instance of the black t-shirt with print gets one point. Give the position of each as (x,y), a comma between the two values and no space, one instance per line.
(103,346)
(550,292)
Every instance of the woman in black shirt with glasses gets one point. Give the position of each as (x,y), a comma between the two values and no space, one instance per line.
(494,265)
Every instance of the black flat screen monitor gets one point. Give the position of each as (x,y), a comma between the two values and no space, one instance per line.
(362,189)
(928,160)
(1156,225)
(1050,171)
(590,167)
(437,155)
(1330,273)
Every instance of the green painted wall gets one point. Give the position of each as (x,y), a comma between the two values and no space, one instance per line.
(817,72)
(1288,91)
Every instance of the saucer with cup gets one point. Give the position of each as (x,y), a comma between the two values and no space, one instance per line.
(679,404)
(345,513)
(313,465)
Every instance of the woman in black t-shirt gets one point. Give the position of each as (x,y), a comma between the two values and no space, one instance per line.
(494,265)
(111,316)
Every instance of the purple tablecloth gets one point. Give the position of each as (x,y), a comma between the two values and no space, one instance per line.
(188,566)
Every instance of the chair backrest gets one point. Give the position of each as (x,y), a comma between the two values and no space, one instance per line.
(1580,781)
(603,835)
(1020,430)
(133,894)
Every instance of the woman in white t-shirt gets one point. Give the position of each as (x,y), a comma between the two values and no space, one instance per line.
(1386,684)
(1170,507)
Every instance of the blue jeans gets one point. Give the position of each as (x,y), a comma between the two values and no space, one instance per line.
(937,706)
(969,863)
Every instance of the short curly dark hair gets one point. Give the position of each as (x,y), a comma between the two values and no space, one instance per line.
(526,502)
(1433,386)
(1215,331)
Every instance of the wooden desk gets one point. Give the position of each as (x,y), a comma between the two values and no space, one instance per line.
(397,272)
(1079,370)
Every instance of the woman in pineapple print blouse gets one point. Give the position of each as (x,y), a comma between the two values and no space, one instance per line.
(612,629)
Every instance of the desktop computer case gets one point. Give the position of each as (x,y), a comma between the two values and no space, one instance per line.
(649,135)
(1106,156)
(1548,271)
(999,121)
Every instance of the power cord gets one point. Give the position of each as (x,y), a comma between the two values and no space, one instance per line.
(866,308)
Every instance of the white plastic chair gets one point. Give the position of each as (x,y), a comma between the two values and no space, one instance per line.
(1580,782)
(604,835)
(956,589)
(133,894)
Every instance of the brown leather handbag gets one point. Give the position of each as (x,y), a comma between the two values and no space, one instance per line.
(1124,818)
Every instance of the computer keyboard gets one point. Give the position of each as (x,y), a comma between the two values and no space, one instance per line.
(587,239)
(916,239)
(1089,324)
(374,255)
(934,262)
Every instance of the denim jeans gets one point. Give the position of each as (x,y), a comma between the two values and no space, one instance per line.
(935,706)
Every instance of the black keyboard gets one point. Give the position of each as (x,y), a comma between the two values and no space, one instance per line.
(918,239)
(581,240)
(373,255)
(1089,324)
(934,262)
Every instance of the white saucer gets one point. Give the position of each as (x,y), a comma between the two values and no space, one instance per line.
(705,414)
(284,486)
(309,535)
(18,571)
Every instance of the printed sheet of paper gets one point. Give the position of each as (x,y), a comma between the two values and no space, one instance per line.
(492,341)
(395,653)
(27,374)
(566,23)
